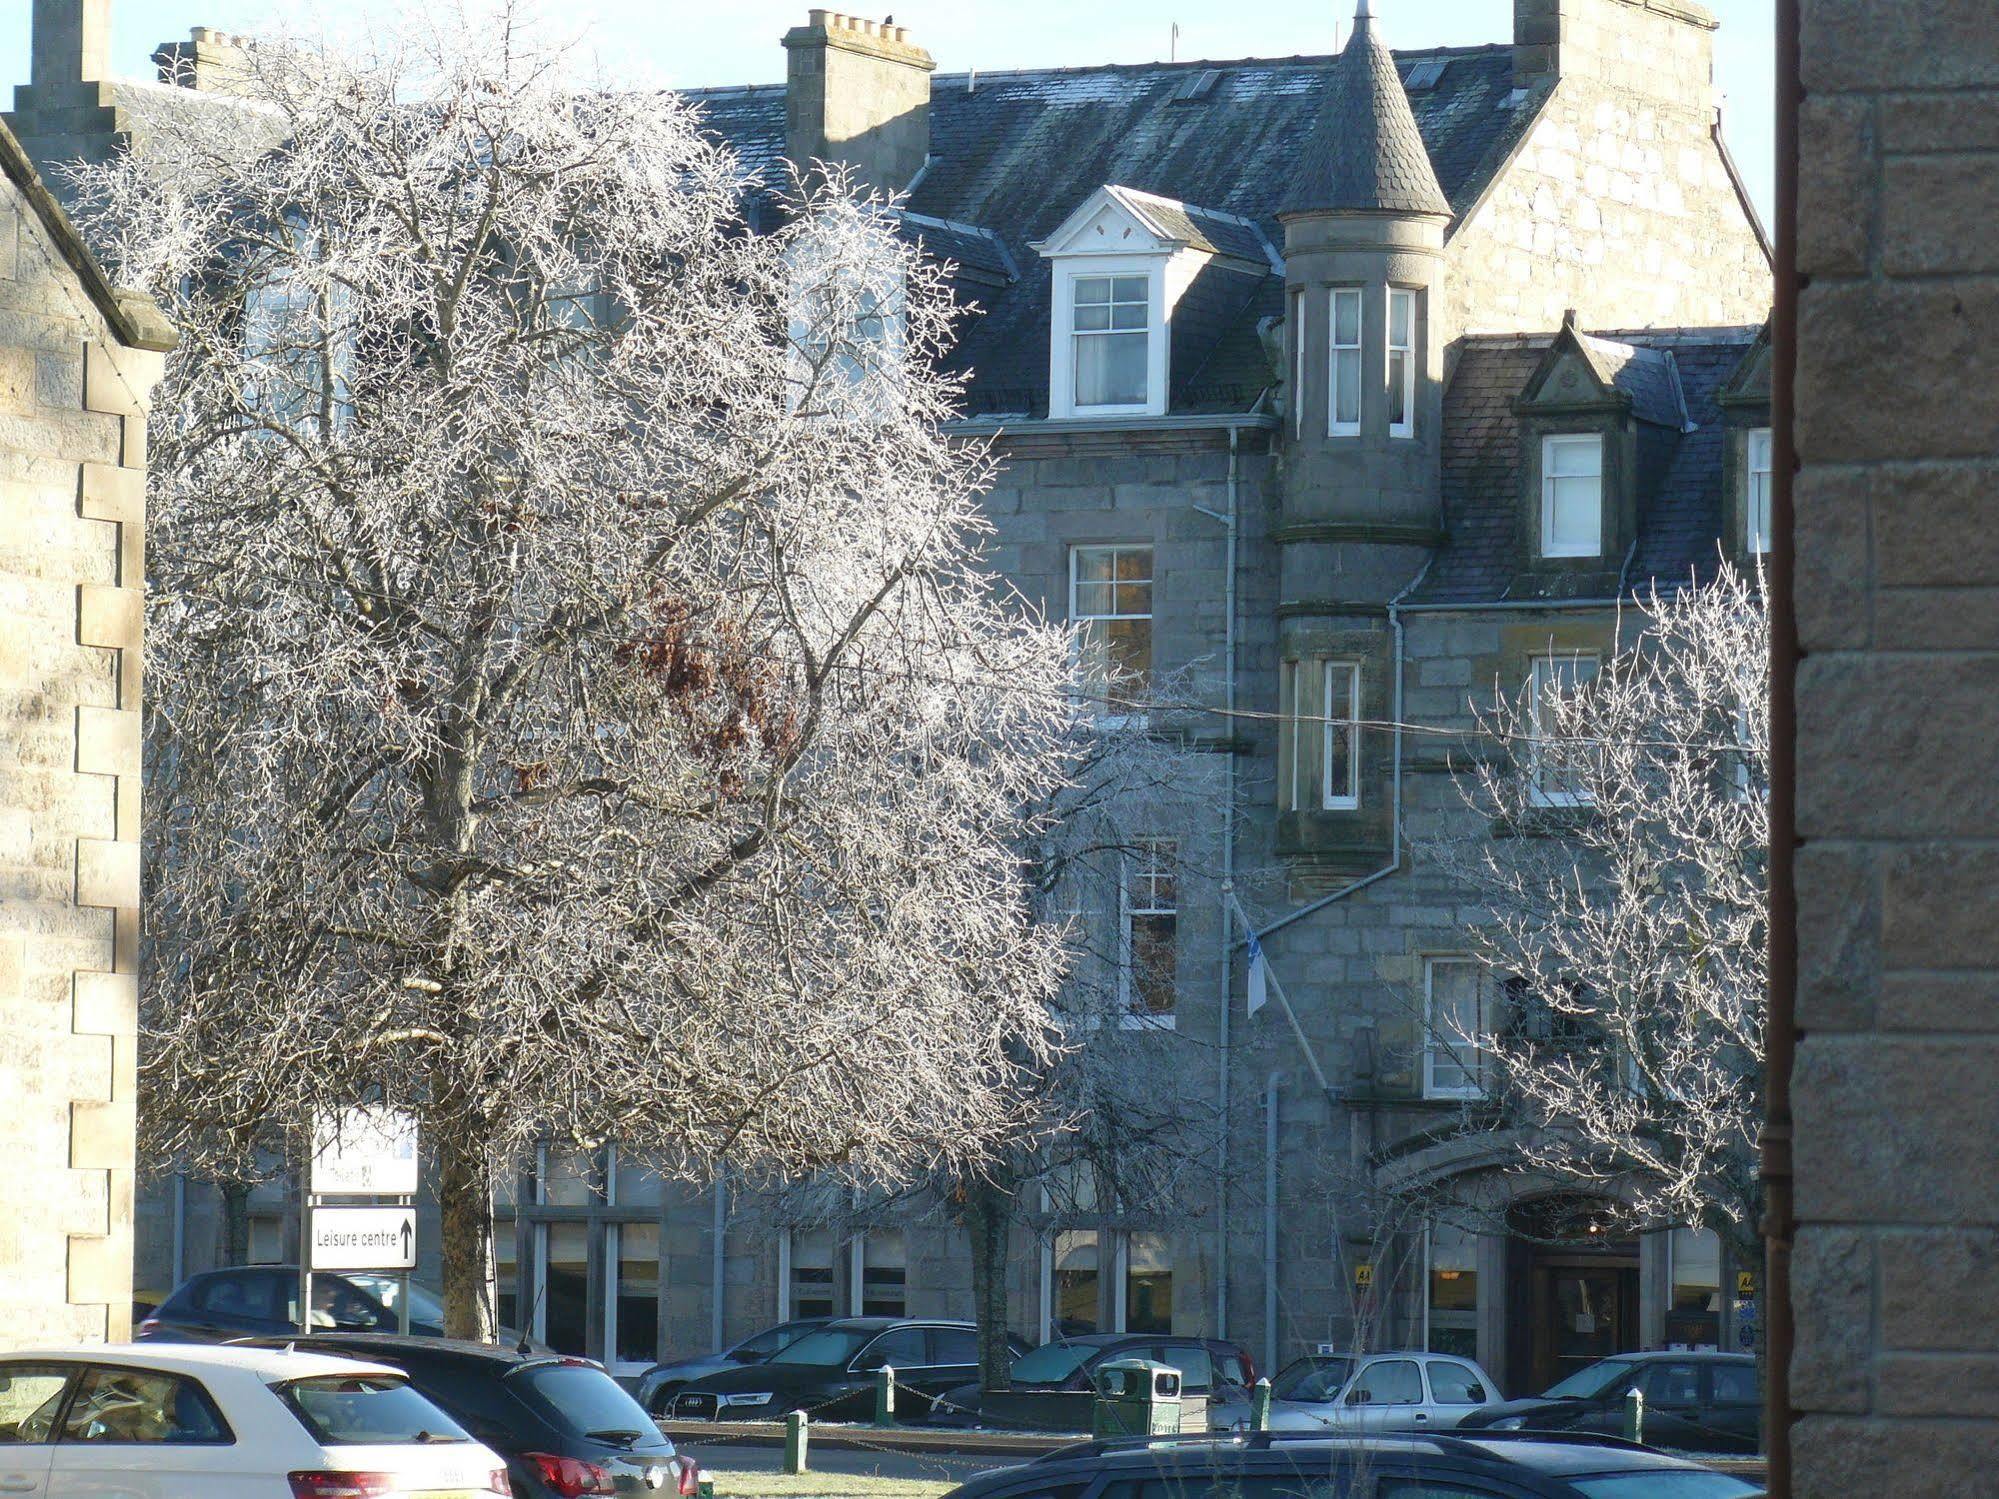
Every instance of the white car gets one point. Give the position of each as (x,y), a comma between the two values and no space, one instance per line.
(1402,1391)
(188,1421)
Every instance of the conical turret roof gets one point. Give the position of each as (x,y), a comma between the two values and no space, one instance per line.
(1365,154)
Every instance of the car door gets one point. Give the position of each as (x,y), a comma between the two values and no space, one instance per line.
(136,1433)
(1197,1368)
(1455,1392)
(904,1350)
(1733,1415)
(1672,1389)
(1386,1395)
(32,1394)
(953,1354)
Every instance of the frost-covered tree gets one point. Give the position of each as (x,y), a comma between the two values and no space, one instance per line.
(577,706)
(1621,854)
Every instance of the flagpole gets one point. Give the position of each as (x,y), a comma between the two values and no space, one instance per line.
(1276,986)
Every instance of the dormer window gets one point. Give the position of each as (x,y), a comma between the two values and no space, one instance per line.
(1343,418)
(1572,496)
(1401,363)
(1112,334)
(1756,492)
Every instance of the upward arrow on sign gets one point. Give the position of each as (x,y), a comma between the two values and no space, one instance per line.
(408,1234)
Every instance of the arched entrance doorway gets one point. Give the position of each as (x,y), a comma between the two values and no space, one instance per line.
(1572,1288)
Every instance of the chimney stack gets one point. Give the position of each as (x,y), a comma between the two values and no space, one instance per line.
(209,61)
(72,43)
(1660,49)
(858,92)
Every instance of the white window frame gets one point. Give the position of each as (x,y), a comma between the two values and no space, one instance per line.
(1540,671)
(1339,798)
(1404,297)
(1334,349)
(1143,867)
(1298,364)
(1291,692)
(1433,1036)
(1756,487)
(1108,714)
(1550,445)
(1069,269)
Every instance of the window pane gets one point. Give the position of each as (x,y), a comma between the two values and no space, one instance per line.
(568,1281)
(1453,1293)
(1148,1291)
(1095,564)
(1734,1384)
(1133,564)
(1556,766)
(1346,387)
(1111,369)
(1093,319)
(1341,735)
(506,1275)
(1129,315)
(1455,1384)
(1391,1382)
(1575,455)
(1694,1317)
(1454,990)
(1399,306)
(638,1292)
(1093,599)
(1092,289)
(1130,289)
(1398,388)
(1575,515)
(1074,1284)
(30,1397)
(954,1345)
(1346,318)
(1756,501)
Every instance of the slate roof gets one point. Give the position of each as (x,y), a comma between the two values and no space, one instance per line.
(1015,153)
(1484,497)
(1649,376)
(1366,153)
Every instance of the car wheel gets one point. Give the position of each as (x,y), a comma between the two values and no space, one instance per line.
(660,1403)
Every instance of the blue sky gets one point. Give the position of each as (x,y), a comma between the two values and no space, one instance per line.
(695,42)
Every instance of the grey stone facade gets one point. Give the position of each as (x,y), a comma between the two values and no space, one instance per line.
(1897,427)
(77,364)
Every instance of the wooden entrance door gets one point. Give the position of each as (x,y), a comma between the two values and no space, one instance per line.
(1584,1310)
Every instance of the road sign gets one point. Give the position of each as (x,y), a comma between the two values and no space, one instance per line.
(364,1152)
(363,1239)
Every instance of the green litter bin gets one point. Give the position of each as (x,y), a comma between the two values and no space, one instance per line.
(1136,1398)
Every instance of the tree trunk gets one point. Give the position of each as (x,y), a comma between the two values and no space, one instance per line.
(465,1208)
(235,1222)
(988,1215)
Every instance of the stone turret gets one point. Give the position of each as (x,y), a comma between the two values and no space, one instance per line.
(1364,241)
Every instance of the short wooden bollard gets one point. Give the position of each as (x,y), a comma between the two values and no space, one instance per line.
(1259,1406)
(797,1438)
(885,1396)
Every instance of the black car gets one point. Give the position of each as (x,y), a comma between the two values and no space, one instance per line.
(830,1374)
(1697,1402)
(1284,1465)
(659,1384)
(1050,1388)
(247,1300)
(564,1426)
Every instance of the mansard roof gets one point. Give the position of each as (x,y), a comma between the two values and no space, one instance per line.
(1014,154)
(1366,154)
(1680,478)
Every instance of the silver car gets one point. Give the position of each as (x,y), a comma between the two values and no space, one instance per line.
(1374,1392)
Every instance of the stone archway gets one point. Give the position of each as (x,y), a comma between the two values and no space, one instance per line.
(1573,1288)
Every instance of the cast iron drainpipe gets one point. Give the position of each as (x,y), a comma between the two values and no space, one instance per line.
(1780,1024)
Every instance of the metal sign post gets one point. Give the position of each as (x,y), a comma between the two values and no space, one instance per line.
(369,1152)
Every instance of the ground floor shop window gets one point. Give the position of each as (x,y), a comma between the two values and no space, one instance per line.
(1693,1317)
(506,1275)
(809,1274)
(566,1285)
(1075,1293)
(1148,1284)
(1453,1306)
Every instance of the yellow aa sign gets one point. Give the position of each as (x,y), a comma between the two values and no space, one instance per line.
(1363,1276)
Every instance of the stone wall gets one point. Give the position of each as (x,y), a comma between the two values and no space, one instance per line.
(1896,1374)
(1619,202)
(72,558)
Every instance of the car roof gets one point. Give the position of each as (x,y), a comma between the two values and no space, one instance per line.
(395,1346)
(881,1324)
(1551,1453)
(268,1362)
(1657,1355)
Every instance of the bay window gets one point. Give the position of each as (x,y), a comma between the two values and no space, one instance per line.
(1343,413)
(1401,363)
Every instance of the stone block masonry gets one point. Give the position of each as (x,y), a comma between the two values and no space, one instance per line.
(77,362)
(1896,1376)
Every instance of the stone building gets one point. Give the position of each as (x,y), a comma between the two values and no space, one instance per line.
(1330,387)
(1893,1015)
(78,361)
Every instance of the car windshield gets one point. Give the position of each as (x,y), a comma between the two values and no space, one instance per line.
(1675,1485)
(585,1401)
(1052,1363)
(828,1348)
(767,1342)
(1319,1380)
(375,1410)
(1594,1380)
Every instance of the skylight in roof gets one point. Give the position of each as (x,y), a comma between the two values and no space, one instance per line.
(1426,74)
(1198,87)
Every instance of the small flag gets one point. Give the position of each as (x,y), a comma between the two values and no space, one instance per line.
(1259,975)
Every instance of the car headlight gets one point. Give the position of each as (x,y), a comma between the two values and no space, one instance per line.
(748,1398)
(1510,1423)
